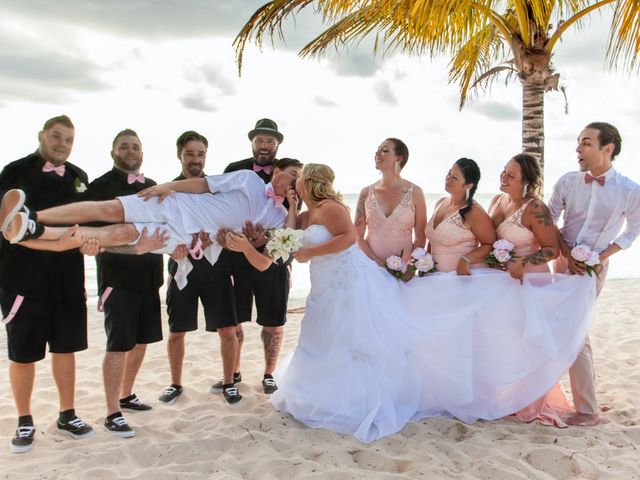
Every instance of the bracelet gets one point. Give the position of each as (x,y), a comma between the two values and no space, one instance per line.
(462,257)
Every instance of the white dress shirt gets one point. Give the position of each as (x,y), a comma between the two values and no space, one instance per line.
(595,214)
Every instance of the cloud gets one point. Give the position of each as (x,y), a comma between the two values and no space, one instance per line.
(361,63)
(323,102)
(497,110)
(197,101)
(213,76)
(383,92)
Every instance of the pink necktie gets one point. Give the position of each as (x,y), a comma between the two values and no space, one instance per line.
(265,168)
(589,179)
(50,167)
(131,178)
(277,199)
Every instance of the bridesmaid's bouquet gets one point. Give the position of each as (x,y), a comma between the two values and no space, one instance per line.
(588,258)
(282,242)
(501,254)
(420,262)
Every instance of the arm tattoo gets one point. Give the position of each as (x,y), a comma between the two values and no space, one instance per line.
(542,214)
(360,214)
(538,258)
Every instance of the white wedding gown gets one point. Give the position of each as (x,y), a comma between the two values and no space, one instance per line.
(375,353)
(351,371)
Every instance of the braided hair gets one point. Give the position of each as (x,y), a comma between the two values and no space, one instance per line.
(318,182)
(471,174)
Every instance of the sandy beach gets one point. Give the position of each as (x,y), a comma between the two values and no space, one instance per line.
(201,437)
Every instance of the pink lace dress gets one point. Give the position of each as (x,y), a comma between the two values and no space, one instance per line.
(390,235)
(550,407)
(449,240)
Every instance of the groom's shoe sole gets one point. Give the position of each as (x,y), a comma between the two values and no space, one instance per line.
(16,228)
(12,202)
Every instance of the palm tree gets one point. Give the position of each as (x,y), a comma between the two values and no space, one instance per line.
(483,37)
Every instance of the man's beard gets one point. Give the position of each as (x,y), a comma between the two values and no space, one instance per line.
(195,170)
(262,159)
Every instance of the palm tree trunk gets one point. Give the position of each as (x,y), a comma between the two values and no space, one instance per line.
(533,120)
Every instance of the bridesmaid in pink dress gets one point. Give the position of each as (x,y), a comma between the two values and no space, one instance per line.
(460,232)
(522,218)
(392,213)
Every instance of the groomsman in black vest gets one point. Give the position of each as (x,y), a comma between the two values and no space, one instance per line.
(42,293)
(269,288)
(128,291)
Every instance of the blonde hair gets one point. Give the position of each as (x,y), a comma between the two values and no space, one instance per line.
(318,182)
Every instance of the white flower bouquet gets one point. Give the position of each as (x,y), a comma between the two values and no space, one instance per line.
(502,252)
(282,242)
(420,262)
(588,258)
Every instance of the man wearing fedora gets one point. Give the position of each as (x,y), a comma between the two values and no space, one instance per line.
(271,287)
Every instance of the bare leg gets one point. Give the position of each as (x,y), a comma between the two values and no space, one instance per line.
(239,341)
(175,353)
(110,211)
(228,347)
(63,366)
(112,368)
(54,238)
(132,362)
(272,341)
(22,377)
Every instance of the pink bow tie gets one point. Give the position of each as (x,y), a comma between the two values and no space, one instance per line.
(277,199)
(265,168)
(131,178)
(50,167)
(589,179)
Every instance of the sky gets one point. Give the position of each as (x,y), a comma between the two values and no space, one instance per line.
(165,67)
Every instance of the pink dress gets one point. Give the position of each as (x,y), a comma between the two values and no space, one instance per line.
(393,234)
(449,240)
(550,407)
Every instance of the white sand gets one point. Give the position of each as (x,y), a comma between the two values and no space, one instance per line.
(201,437)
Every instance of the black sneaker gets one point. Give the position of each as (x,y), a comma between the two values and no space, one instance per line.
(269,385)
(22,441)
(231,394)
(132,402)
(170,394)
(12,203)
(217,387)
(76,428)
(117,425)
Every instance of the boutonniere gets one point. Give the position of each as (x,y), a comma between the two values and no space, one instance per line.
(80,186)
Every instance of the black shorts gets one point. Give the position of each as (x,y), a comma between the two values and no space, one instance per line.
(213,286)
(60,322)
(131,317)
(271,291)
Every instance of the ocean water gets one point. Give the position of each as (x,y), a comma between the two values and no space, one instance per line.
(623,264)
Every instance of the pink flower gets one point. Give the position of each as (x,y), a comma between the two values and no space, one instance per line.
(581,252)
(425,264)
(593,260)
(418,253)
(503,244)
(501,255)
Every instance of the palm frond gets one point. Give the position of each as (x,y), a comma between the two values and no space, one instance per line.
(624,42)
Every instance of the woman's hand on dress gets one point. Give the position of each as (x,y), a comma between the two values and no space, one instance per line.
(517,271)
(162,191)
(463,267)
(303,255)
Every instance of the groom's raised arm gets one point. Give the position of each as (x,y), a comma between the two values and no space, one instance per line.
(190,185)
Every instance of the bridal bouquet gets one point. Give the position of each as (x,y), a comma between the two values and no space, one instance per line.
(282,242)
(420,262)
(587,257)
(501,254)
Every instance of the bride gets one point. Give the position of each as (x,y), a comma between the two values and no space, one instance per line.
(374,353)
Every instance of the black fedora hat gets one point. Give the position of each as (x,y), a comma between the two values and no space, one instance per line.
(268,126)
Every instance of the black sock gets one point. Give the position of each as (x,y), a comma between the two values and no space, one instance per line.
(176,386)
(228,385)
(126,399)
(25,421)
(67,415)
(114,415)
(267,375)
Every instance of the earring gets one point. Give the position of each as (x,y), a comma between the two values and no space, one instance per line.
(525,190)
